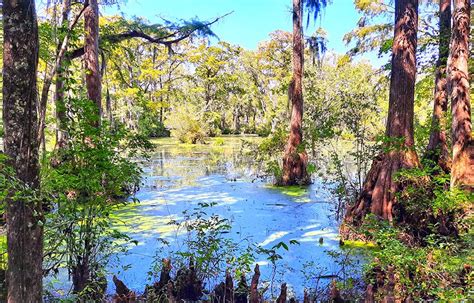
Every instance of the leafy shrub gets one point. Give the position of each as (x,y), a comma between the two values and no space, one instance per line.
(186,126)
(84,179)
(150,126)
(439,271)
(219,142)
(213,122)
(270,151)
(264,130)
(427,205)
(207,243)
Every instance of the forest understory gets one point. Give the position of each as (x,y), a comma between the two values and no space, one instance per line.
(296,170)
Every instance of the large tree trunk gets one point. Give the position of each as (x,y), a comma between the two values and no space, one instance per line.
(462,173)
(437,149)
(378,195)
(24,234)
(91,54)
(295,158)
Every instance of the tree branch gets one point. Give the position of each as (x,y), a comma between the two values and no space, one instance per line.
(180,35)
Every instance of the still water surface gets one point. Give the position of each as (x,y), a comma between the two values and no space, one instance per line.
(179,177)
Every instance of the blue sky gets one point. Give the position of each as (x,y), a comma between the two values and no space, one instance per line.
(251,20)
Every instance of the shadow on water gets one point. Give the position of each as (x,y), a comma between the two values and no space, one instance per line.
(179,177)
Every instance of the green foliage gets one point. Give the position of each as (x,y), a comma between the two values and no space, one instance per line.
(429,250)
(208,245)
(150,126)
(186,127)
(436,271)
(219,142)
(213,121)
(428,206)
(85,179)
(7,179)
(269,152)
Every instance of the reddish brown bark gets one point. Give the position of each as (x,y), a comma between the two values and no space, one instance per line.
(334,293)
(254,295)
(24,233)
(282,297)
(120,288)
(437,149)
(306,298)
(295,159)
(378,195)
(462,173)
(229,288)
(91,54)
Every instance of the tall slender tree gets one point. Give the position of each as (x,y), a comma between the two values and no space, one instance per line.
(59,92)
(462,173)
(81,272)
(437,149)
(23,211)
(91,54)
(380,187)
(295,158)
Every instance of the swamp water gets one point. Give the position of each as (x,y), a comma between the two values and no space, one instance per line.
(180,177)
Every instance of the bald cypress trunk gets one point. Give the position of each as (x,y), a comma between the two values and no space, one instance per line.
(295,159)
(462,173)
(378,195)
(24,233)
(91,54)
(437,149)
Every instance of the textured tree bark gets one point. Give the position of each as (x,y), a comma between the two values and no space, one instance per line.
(462,172)
(229,288)
(91,54)
(254,296)
(378,194)
(295,159)
(282,297)
(24,233)
(437,149)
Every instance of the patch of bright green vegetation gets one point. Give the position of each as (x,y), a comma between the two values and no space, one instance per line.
(221,141)
(357,244)
(3,252)
(292,191)
(126,219)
